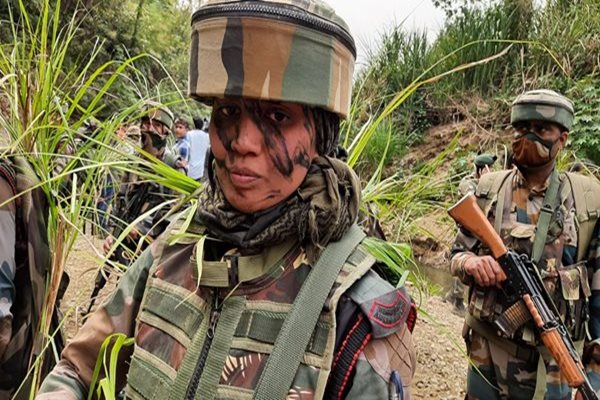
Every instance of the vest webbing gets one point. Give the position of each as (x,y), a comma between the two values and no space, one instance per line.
(491,189)
(297,329)
(586,194)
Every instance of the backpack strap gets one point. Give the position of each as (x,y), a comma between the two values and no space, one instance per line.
(586,193)
(490,191)
(290,345)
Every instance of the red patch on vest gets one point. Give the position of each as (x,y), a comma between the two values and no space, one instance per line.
(389,315)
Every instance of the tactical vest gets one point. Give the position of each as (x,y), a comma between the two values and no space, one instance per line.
(586,192)
(177,317)
(573,282)
(32,259)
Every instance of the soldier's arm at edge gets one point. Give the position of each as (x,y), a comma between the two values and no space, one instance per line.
(7,264)
(74,371)
(592,347)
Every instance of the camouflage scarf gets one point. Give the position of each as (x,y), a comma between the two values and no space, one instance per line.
(320,211)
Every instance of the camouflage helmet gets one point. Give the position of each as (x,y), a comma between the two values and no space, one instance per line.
(283,50)
(156,111)
(543,105)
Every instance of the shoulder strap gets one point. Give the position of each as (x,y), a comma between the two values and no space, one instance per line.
(549,204)
(290,345)
(489,191)
(586,193)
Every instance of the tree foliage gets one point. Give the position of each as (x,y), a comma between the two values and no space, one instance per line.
(117,30)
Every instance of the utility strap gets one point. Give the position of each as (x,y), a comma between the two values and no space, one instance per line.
(290,345)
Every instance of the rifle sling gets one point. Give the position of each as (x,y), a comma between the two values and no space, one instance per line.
(548,208)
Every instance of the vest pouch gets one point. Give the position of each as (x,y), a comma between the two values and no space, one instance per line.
(574,292)
(574,281)
(147,378)
(483,304)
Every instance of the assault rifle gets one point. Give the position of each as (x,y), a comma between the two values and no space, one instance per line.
(523,283)
(127,211)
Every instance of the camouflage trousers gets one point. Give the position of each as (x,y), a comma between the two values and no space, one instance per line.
(496,374)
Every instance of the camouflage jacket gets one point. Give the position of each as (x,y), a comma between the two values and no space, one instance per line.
(24,263)
(569,282)
(160,303)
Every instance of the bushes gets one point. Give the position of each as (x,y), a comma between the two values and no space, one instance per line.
(585,136)
(554,45)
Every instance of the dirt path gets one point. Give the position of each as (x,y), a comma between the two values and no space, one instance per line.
(442,367)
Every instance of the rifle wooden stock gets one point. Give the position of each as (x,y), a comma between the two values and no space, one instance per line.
(468,214)
(555,344)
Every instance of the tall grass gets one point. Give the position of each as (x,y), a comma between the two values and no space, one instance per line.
(45,103)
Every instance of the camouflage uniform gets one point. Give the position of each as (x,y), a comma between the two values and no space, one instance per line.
(137,196)
(24,263)
(169,344)
(508,367)
(210,335)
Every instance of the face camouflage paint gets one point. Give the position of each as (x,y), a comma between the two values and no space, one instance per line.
(262,149)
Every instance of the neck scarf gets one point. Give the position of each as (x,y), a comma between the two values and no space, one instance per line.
(321,210)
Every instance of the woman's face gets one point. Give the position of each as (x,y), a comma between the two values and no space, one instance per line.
(262,150)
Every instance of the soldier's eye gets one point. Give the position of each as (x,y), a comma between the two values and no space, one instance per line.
(277,116)
(229,111)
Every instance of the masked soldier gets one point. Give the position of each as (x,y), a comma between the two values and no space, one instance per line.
(137,196)
(551,217)
(269,294)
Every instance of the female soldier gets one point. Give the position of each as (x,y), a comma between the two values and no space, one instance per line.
(269,294)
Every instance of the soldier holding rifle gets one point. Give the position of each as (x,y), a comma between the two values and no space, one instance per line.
(550,219)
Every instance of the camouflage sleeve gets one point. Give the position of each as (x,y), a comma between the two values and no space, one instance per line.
(7,264)
(465,246)
(71,377)
(385,368)
(592,360)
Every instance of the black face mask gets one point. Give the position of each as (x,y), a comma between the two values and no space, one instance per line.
(153,142)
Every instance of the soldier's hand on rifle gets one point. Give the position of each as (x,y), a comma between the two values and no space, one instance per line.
(485,270)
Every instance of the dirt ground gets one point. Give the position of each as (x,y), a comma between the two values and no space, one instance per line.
(442,366)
